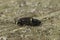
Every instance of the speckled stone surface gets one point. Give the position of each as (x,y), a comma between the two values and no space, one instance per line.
(48,11)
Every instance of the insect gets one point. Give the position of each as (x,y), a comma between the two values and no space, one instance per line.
(28,21)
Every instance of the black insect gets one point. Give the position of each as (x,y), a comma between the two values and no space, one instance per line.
(28,21)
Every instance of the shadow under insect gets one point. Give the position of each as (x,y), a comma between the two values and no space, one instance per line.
(28,21)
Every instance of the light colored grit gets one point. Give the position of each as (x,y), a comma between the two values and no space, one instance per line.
(48,11)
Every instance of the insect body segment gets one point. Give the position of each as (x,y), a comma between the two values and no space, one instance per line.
(28,21)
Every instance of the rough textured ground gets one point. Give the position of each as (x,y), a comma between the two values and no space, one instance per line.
(48,11)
